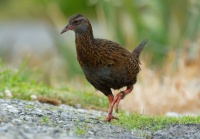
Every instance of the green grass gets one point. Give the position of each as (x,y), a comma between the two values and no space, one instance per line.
(44,120)
(29,106)
(152,123)
(87,98)
(79,131)
(22,83)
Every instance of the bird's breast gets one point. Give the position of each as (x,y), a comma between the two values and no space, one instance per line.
(100,72)
(89,57)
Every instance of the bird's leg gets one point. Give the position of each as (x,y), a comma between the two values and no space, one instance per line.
(110,110)
(121,95)
(116,101)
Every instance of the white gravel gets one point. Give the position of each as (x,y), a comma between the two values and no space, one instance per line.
(33,120)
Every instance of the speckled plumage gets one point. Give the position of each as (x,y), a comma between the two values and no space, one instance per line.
(105,63)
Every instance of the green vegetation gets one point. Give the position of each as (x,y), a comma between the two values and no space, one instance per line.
(44,120)
(143,122)
(171,27)
(79,131)
(22,84)
(168,25)
(29,106)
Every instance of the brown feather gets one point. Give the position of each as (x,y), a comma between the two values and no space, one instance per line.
(105,63)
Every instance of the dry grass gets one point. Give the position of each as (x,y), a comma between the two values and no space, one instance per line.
(173,88)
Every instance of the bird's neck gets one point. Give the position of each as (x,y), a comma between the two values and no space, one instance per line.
(85,46)
(85,38)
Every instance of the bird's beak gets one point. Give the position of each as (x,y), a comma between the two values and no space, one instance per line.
(68,27)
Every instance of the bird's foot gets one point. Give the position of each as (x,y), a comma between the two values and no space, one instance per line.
(109,118)
(117,99)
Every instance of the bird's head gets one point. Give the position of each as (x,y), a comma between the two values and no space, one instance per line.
(78,23)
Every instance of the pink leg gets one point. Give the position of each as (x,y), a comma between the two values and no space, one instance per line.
(116,101)
(121,95)
(110,110)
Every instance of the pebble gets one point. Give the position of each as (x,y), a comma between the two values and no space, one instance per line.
(34,120)
(8,93)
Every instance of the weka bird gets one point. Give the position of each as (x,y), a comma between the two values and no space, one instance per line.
(105,63)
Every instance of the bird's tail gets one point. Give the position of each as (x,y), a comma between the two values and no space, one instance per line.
(136,52)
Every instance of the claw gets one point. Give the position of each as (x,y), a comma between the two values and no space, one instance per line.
(115,101)
(109,118)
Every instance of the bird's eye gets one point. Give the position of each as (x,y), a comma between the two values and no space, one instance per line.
(75,22)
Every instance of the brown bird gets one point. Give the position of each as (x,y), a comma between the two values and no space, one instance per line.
(105,63)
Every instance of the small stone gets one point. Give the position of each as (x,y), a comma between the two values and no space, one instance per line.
(17,121)
(33,97)
(61,123)
(91,132)
(78,106)
(8,93)
(12,109)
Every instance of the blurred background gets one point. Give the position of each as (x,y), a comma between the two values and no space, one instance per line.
(170,77)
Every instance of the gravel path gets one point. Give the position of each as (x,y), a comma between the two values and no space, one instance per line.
(33,120)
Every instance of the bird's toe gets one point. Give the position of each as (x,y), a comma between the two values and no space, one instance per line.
(109,118)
